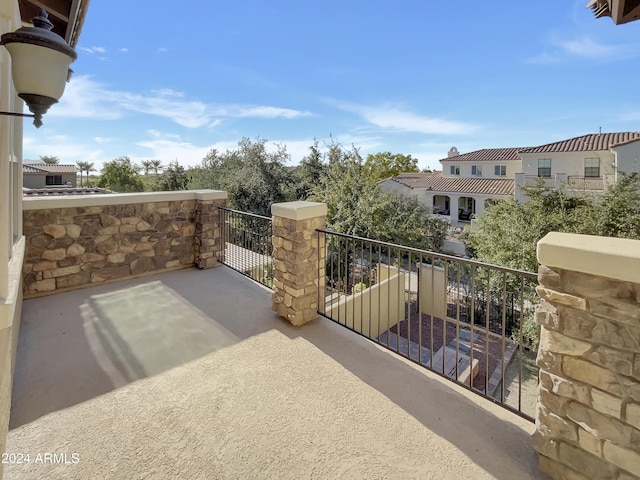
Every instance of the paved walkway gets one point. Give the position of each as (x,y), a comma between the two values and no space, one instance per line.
(190,375)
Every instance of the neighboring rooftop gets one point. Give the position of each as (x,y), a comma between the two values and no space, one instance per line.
(57,191)
(435,181)
(586,143)
(48,168)
(486,155)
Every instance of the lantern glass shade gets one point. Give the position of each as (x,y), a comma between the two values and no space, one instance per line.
(38,70)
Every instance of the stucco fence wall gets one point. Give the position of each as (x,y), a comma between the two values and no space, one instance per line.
(588,411)
(72,242)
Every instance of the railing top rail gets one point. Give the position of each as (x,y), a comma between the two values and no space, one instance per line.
(244,213)
(441,256)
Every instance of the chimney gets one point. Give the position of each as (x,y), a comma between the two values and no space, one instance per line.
(453,152)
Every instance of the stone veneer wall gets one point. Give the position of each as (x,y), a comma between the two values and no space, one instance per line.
(76,241)
(295,259)
(588,415)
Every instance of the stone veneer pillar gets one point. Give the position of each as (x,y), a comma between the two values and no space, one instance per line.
(588,411)
(208,247)
(295,259)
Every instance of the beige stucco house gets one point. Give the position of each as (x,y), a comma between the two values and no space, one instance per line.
(588,163)
(466,185)
(41,175)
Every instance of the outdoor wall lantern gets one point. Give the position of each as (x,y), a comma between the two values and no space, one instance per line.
(40,62)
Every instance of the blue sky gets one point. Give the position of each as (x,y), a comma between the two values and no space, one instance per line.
(153,81)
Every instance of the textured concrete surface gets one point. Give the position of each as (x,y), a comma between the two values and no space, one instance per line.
(190,375)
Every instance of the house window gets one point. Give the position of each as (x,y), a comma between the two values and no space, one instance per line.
(500,170)
(592,167)
(455,170)
(476,170)
(54,180)
(544,167)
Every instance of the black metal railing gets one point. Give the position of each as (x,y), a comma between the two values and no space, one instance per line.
(585,183)
(468,321)
(544,182)
(248,245)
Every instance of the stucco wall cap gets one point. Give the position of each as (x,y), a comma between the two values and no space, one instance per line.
(616,258)
(299,210)
(70,201)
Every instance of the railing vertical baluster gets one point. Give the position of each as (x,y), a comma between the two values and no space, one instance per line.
(371,284)
(487,327)
(408,307)
(504,334)
(521,344)
(446,303)
(472,330)
(460,286)
(419,287)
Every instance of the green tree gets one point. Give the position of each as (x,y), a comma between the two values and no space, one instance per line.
(380,166)
(308,174)
(357,206)
(49,159)
(121,175)
(406,221)
(617,214)
(253,177)
(174,177)
(354,201)
(507,233)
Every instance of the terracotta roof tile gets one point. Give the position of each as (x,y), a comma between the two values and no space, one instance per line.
(436,182)
(586,143)
(486,155)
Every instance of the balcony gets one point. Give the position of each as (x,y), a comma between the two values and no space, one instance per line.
(189,374)
(571,182)
(136,365)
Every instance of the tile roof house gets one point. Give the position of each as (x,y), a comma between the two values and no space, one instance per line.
(466,185)
(587,163)
(41,175)
(468,182)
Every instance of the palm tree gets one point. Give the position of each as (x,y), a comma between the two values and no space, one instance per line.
(89,167)
(82,166)
(147,165)
(49,159)
(156,165)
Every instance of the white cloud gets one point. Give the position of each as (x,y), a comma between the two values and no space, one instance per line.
(392,117)
(92,50)
(162,50)
(583,47)
(265,112)
(123,50)
(187,154)
(69,152)
(86,98)
(102,139)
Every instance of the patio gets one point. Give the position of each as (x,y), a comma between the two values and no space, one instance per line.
(188,374)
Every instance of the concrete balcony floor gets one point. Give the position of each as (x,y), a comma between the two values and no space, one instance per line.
(189,375)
